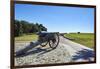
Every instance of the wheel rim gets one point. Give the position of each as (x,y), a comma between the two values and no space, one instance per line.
(54,42)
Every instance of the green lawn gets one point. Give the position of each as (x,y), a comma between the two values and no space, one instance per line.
(86,39)
(26,38)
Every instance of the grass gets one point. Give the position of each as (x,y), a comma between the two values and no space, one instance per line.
(26,38)
(86,39)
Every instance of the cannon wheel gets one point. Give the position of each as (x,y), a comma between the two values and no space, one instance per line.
(54,42)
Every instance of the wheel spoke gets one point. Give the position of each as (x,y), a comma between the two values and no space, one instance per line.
(54,42)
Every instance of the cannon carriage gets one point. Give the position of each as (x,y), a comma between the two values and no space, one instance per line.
(51,38)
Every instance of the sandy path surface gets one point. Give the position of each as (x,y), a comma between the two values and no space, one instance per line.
(66,52)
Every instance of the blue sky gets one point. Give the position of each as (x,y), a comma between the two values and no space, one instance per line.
(57,18)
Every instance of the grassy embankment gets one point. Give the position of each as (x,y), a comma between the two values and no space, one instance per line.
(86,39)
(26,38)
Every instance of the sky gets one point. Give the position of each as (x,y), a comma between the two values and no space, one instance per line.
(57,18)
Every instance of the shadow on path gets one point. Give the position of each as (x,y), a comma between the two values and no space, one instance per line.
(84,54)
(34,49)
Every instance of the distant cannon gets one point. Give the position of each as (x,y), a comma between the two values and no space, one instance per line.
(49,37)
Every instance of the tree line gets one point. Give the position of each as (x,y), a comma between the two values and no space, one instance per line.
(24,27)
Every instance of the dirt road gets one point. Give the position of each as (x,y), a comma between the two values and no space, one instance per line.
(66,52)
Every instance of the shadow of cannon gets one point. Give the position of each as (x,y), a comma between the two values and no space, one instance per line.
(44,38)
(32,46)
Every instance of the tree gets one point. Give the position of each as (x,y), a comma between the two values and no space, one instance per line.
(18,28)
(78,32)
(24,27)
(42,28)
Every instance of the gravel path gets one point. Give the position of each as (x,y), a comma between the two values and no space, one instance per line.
(66,52)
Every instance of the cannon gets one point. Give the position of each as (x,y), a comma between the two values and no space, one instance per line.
(51,38)
(44,38)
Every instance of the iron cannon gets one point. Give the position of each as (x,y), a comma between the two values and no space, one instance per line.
(51,38)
